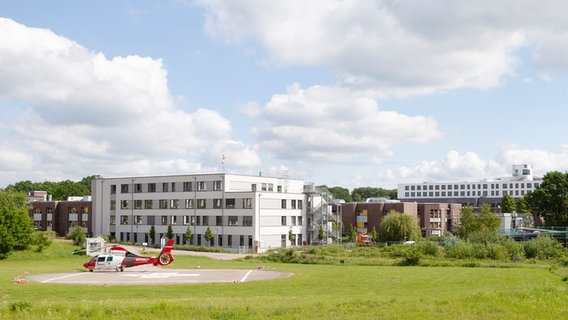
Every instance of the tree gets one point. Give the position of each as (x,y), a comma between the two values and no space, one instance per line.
(321,234)
(208,235)
(170,232)
(15,224)
(522,205)
(153,234)
(374,234)
(508,204)
(399,227)
(352,234)
(550,199)
(188,234)
(485,222)
(78,235)
(291,237)
(363,193)
(42,240)
(340,193)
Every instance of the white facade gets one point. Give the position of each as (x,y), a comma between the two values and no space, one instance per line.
(472,192)
(254,212)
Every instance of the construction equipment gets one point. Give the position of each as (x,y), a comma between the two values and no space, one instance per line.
(364,238)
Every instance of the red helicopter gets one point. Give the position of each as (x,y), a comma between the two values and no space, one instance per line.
(119,258)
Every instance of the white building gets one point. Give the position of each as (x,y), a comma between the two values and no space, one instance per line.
(472,193)
(254,212)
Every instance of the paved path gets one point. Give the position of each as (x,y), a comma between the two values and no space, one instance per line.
(151,275)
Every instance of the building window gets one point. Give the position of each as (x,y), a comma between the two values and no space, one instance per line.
(299,220)
(124,188)
(263,187)
(253,187)
(293,220)
(217,185)
(151,220)
(230,203)
(138,188)
(283,220)
(198,220)
(201,204)
(137,219)
(112,220)
(292,204)
(189,203)
(164,220)
(163,204)
(137,204)
(186,220)
(233,221)
(151,187)
(279,188)
(148,204)
(164,187)
(123,219)
(218,220)
(270,187)
(113,189)
(124,204)
(187,186)
(283,203)
(217,203)
(247,221)
(283,240)
(173,220)
(174,204)
(205,220)
(173,187)
(201,186)
(247,203)
(299,204)
(112,204)
(229,240)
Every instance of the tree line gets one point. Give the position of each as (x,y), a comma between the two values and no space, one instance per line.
(59,191)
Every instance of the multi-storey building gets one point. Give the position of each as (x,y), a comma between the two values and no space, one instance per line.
(472,193)
(61,216)
(434,219)
(253,212)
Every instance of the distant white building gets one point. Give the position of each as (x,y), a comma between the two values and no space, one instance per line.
(253,212)
(472,193)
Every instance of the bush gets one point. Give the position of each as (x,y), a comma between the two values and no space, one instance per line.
(542,248)
(428,248)
(412,256)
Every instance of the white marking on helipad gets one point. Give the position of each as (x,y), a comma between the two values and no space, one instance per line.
(158,275)
(62,277)
(246,276)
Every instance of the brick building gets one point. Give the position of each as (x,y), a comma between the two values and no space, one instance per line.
(61,216)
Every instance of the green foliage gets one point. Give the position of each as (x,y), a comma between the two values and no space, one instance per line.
(470,223)
(363,193)
(152,234)
(550,200)
(508,204)
(543,247)
(15,224)
(208,235)
(291,236)
(170,232)
(78,235)
(399,227)
(340,193)
(43,239)
(374,234)
(352,234)
(522,206)
(59,190)
(321,234)
(188,234)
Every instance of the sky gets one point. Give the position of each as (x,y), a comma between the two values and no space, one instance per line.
(348,93)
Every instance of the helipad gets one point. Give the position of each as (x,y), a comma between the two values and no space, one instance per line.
(157,276)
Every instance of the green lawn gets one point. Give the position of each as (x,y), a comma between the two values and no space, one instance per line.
(314,292)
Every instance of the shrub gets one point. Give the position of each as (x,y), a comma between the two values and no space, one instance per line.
(428,248)
(543,247)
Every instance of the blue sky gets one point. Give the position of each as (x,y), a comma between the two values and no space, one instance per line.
(344,93)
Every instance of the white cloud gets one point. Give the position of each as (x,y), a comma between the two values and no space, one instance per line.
(73,110)
(336,124)
(399,47)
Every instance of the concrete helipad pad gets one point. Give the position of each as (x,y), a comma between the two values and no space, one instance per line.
(134,276)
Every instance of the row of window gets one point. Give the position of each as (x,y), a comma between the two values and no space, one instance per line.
(493,193)
(186,186)
(231,203)
(479,186)
(187,220)
(198,239)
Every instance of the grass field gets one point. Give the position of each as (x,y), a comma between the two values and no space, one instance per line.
(526,291)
